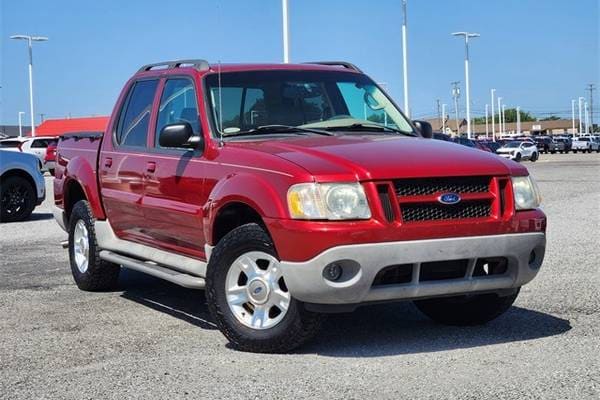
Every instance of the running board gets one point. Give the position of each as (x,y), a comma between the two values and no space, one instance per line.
(179,278)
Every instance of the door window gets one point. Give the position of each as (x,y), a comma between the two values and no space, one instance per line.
(178,104)
(132,129)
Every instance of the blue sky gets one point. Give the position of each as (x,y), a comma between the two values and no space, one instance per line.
(538,54)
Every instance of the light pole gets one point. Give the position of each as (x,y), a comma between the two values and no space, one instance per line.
(21,123)
(456,95)
(492,91)
(286,45)
(405,59)
(467,35)
(573,116)
(444,118)
(518,120)
(580,110)
(500,131)
(487,127)
(30,40)
(504,118)
(586,117)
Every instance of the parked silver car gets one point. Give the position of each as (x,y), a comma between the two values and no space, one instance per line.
(22,185)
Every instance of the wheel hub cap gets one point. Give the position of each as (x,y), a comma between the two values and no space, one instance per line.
(255,290)
(81,246)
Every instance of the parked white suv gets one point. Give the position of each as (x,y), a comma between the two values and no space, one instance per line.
(519,151)
(32,145)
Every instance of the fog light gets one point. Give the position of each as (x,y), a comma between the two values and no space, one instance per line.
(333,272)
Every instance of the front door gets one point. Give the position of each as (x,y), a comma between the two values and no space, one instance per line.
(174,194)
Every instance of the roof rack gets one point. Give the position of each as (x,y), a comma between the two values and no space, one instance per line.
(338,63)
(200,65)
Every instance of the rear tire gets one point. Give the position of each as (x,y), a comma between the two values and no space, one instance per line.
(534,157)
(466,310)
(518,157)
(18,199)
(89,271)
(245,256)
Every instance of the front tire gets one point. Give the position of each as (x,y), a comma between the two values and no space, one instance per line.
(466,310)
(248,299)
(17,199)
(518,157)
(89,271)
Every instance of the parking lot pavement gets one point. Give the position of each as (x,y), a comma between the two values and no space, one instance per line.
(151,339)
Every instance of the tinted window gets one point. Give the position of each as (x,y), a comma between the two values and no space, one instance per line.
(10,143)
(178,104)
(132,129)
(40,143)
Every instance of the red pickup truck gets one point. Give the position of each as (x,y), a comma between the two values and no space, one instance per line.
(292,191)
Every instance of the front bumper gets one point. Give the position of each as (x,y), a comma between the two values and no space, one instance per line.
(507,155)
(523,252)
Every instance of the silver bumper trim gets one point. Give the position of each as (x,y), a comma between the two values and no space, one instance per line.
(306,282)
(60,217)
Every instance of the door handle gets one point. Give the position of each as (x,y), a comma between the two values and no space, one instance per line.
(108,162)
(150,166)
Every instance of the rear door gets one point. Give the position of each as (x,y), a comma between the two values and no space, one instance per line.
(124,161)
(174,194)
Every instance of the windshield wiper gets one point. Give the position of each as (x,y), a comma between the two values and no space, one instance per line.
(278,129)
(360,127)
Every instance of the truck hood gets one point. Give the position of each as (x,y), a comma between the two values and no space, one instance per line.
(381,157)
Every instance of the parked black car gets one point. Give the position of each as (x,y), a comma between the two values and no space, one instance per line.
(546,144)
(567,142)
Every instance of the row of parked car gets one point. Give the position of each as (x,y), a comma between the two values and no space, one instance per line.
(529,148)
(42,147)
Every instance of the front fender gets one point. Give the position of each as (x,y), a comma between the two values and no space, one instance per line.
(252,190)
(79,171)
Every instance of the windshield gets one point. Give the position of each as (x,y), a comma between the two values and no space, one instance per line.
(512,144)
(326,100)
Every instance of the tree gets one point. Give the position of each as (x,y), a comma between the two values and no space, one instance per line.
(511,116)
(551,118)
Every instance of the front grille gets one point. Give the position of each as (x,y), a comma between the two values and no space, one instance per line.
(432,211)
(428,186)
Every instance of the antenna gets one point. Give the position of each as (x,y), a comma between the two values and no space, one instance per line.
(220,105)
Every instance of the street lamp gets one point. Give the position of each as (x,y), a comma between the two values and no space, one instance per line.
(504,118)
(21,123)
(492,91)
(580,122)
(286,38)
(30,39)
(500,128)
(467,35)
(573,117)
(405,59)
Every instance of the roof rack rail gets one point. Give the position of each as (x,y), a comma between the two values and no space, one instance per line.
(200,65)
(338,63)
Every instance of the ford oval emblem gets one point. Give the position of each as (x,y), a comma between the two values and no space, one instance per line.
(449,198)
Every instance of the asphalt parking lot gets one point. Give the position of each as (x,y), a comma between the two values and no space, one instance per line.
(152,339)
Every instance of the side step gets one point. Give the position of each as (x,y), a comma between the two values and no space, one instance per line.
(179,278)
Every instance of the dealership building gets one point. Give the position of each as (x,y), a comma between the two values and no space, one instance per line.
(550,127)
(60,126)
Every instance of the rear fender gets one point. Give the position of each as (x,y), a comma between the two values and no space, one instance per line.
(79,171)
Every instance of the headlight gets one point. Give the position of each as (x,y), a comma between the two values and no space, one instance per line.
(526,193)
(333,201)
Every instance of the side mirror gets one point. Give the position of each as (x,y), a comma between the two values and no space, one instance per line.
(180,135)
(424,129)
